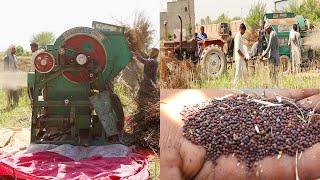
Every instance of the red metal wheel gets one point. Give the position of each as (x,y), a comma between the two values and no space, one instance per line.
(88,46)
(44,62)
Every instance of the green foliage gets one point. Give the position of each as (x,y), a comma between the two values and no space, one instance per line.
(18,117)
(205,21)
(26,53)
(223,18)
(236,18)
(259,80)
(208,20)
(43,38)
(310,9)
(256,14)
(126,98)
(202,21)
(19,51)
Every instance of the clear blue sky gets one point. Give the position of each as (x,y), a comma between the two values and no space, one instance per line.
(20,19)
(213,8)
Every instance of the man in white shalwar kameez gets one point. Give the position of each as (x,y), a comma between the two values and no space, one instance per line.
(241,55)
(295,43)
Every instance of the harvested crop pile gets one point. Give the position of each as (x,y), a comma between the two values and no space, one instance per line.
(146,127)
(176,74)
(251,128)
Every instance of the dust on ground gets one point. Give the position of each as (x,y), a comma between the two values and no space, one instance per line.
(313,40)
(13,80)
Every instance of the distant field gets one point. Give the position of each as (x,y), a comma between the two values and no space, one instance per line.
(184,75)
(18,117)
(261,80)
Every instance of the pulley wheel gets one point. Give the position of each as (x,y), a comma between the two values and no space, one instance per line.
(44,62)
(89,46)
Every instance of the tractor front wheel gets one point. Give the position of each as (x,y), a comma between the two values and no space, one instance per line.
(213,62)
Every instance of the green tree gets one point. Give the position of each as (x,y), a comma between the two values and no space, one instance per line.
(27,53)
(208,20)
(43,38)
(19,51)
(202,21)
(256,14)
(309,9)
(236,18)
(223,18)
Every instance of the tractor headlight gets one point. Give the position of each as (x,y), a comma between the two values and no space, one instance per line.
(81,59)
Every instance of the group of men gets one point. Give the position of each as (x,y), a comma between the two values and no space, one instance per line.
(271,52)
(238,51)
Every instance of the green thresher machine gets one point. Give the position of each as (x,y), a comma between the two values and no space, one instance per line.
(72,95)
(282,23)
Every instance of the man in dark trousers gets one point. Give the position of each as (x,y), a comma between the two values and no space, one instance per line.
(230,43)
(10,65)
(273,52)
(148,91)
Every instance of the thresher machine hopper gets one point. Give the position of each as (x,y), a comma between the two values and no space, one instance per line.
(73,101)
(282,24)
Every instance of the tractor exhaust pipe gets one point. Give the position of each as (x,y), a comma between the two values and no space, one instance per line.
(180,35)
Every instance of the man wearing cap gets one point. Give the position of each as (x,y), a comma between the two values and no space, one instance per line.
(34,50)
(272,51)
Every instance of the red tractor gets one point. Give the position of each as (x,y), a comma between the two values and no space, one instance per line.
(209,54)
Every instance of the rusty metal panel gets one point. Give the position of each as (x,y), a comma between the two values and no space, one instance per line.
(102,106)
(285,21)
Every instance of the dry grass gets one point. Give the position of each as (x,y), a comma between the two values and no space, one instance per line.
(313,40)
(181,76)
(18,117)
(177,74)
(140,34)
(24,63)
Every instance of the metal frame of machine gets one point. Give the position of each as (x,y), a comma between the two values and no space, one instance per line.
(72,94)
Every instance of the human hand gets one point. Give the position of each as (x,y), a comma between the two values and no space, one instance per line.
(180,159)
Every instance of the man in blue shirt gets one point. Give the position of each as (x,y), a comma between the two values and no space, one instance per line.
(202,36)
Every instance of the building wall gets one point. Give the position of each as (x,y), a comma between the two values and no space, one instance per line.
(184,8)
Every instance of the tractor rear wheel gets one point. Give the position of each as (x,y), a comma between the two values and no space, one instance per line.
(213,62)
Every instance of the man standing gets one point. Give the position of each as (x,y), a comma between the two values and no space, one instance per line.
(230,43)
(241,57)
(201,37)
(272,51)
(295,43)
(34,50)
(148,91)
(10,65)
(261,38)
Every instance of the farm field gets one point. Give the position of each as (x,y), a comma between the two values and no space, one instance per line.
(184,74)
